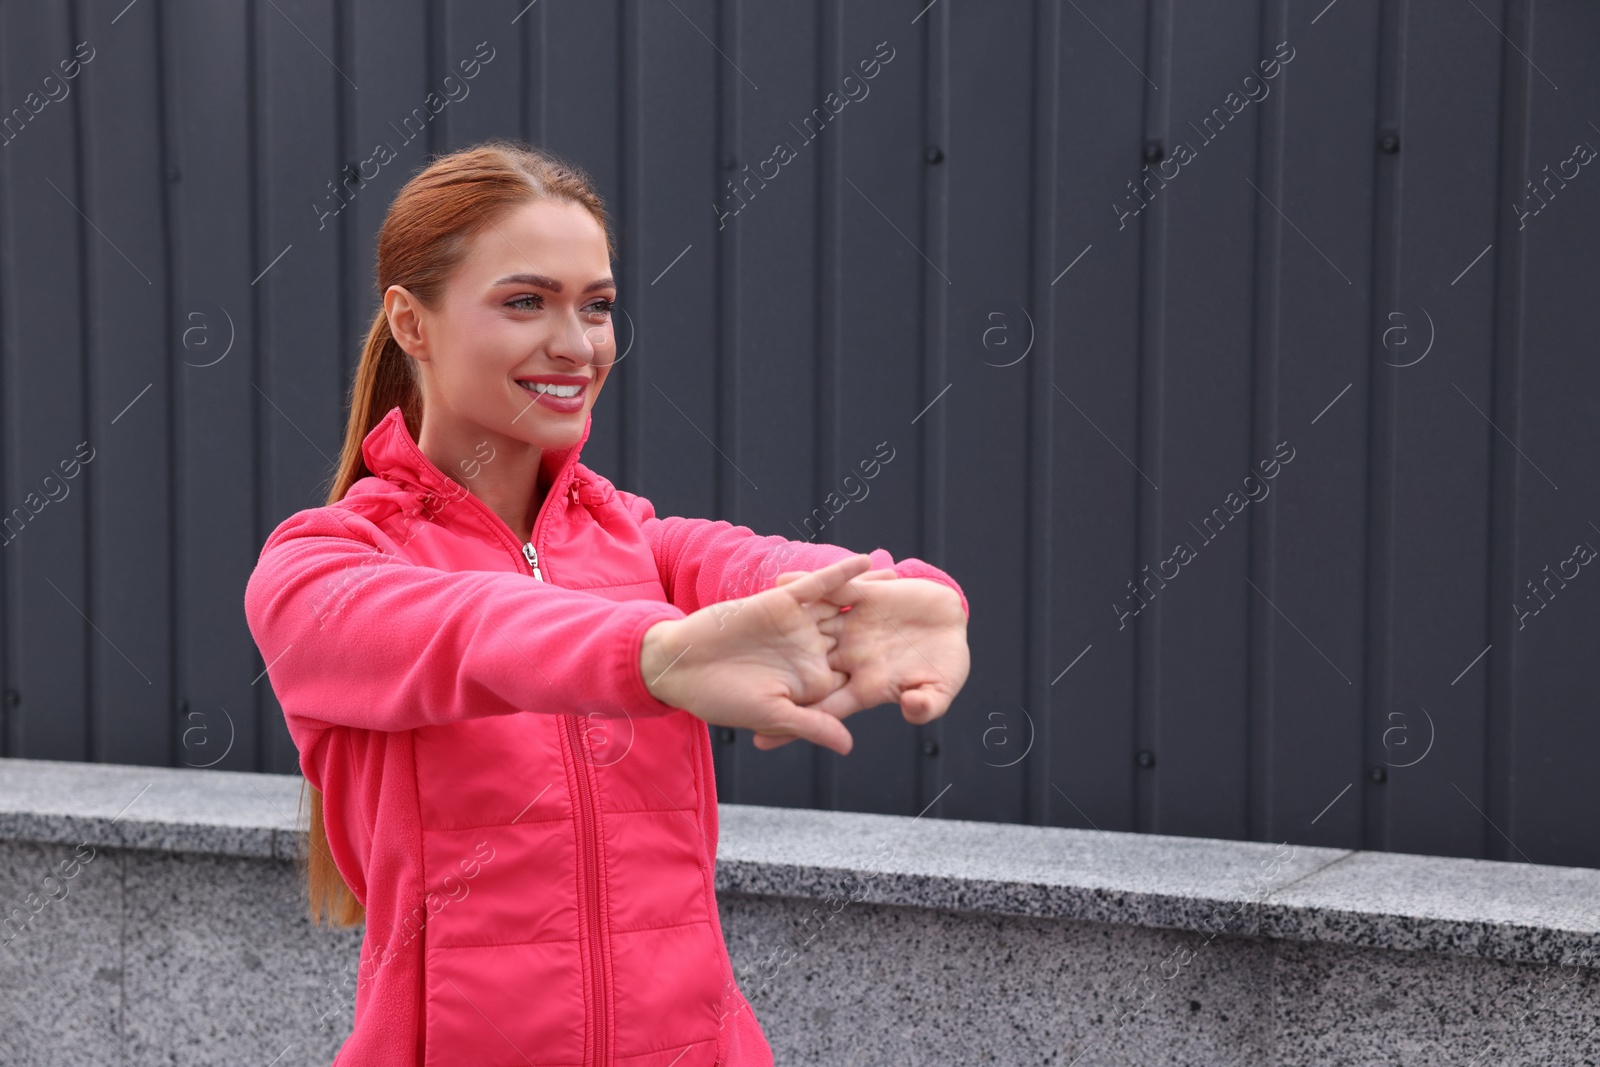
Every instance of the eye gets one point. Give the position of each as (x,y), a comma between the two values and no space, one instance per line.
(601,307)
(520,306)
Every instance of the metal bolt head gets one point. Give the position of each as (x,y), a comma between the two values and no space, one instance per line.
(930,747)
(934,154)
(726,735)
(1153,152)
(1389,142)
(1378,774)
(728,161)
(1146,758)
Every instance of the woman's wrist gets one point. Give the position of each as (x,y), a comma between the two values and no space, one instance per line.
(657,652)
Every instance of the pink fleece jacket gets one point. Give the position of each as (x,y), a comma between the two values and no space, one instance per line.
(532,833)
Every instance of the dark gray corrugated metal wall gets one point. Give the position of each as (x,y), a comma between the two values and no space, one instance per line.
(1075,375)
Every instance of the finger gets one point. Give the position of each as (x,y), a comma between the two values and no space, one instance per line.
(858,595)
(844,596)
(814,585)
(915,706)
(821,610)
(768,742)
(922,705)
(815,726)
(834,625)
(843,702)
(854,653)
(877,575)
(848,594)
(840,624)
(820,688)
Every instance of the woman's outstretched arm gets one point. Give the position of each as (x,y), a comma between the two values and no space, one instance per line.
(705,561)
(354,635)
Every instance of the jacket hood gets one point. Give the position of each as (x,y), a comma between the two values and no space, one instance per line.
(391,453)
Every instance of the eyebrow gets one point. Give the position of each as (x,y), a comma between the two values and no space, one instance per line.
(545,282)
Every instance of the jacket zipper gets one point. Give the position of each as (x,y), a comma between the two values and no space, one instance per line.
(591,879)
(530,553)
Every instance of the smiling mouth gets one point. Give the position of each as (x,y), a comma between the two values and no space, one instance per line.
(542,388)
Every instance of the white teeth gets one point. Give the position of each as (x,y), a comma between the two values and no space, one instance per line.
(553,390)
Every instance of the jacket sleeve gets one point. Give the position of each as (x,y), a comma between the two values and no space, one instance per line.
(706,561)
(356,635)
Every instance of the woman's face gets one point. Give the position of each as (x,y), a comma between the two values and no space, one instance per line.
(529,308)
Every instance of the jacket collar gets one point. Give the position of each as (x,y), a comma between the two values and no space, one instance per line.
(391,453)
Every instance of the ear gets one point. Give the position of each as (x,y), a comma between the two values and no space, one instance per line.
(405,321)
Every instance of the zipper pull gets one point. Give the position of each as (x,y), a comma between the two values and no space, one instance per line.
(532,557)
(574,491)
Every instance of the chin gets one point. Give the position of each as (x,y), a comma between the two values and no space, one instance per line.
(566,440)
(564,434)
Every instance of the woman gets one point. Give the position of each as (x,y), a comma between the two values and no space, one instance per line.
(498,668)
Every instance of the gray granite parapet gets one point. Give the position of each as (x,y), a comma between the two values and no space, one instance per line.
(166,809)
(1525,913)
(1520,912)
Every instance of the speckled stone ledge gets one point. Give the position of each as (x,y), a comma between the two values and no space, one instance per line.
(1517,912)
(1511,911)
(167,809)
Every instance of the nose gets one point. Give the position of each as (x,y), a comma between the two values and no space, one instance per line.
(581,341)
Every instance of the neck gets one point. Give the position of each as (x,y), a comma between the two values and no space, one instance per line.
(509,476)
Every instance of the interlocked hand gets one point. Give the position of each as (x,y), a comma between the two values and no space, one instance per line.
(760,664)
(901,641)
